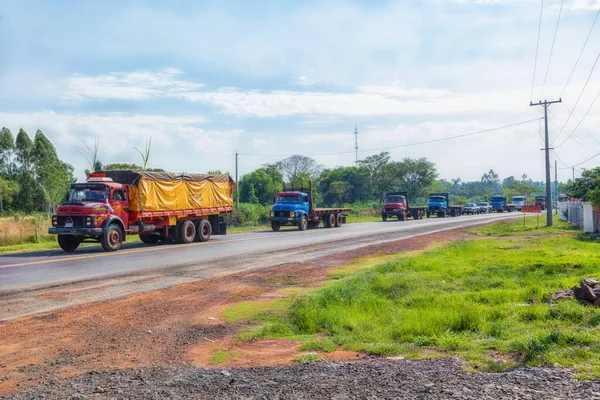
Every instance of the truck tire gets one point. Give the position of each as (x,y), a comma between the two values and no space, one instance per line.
(68,243)
(441,214)
(402,216)
(112,238)
(149,238)
(275,225)
(428,214)
(331,221)
(185,232)
(339,220)
(203,230)
(303,223)
(384,217)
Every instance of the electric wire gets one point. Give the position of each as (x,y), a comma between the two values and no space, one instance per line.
(578,99)
(537,46)
(580,53)
(401,145)
(580,121)
(552,48)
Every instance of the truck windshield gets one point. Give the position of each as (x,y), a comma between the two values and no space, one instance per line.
(437,198)
(288,199)
(519,198)
(394,199)
(539,198)
(497,199)
(88,194)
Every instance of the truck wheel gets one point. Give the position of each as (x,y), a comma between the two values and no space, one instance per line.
(428,214)
(112,238)
(338,220)
(440,215)
(68,243)
(303,224)
(203,231)
(331,221)
(185,232)
(384,217)
(275,225)
(149,238)
(402,217)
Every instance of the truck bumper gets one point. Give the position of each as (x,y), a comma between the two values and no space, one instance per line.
(284,220)
(61,230)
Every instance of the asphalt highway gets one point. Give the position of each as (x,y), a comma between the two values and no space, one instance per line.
(37,282)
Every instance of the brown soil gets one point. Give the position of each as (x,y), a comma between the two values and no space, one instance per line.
(175,326)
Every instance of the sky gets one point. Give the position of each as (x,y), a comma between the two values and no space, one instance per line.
(208,79)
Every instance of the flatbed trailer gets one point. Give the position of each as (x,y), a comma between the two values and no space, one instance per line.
(396,205)
(295,207)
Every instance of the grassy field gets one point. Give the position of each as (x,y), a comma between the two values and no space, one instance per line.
(485,300)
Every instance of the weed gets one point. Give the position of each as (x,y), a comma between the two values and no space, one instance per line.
(307,358)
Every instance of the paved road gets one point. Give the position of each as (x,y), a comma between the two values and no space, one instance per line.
(138,267)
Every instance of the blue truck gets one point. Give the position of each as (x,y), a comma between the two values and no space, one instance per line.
(500,204)
(296,208)
(439,203)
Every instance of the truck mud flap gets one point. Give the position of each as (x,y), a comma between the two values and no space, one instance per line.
(217,224)
(343,219)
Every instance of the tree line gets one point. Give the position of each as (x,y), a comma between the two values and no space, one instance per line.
(375,176)
(32,176)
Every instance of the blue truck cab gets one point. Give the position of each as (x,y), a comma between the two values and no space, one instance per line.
(499,204)
(289,209)
(437,204)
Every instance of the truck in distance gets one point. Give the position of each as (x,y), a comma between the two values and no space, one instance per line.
(296,207)
(157,206)
(519,201)
(439,203)
(500,204)
(396,205)
(540,201)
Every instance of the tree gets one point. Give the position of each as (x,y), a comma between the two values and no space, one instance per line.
(338,190)
(124,167)
(260,186)
(490,178)
(24,150)
(292,167)
(358,188)
(7,151)
(415,176)
(379,173)
(581,186)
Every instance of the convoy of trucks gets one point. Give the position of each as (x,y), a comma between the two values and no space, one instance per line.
(183,208)
(396,205)
(296,207)
(157,206)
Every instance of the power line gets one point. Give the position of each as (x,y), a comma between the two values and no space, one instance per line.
(552,48)
(401,145)
(583,162)
(580,121)
(537,46)
(578,98)
(580,53)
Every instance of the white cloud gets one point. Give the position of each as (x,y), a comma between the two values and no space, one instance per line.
(136,85)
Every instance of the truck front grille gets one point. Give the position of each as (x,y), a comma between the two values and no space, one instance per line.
(77,221)
(282,214)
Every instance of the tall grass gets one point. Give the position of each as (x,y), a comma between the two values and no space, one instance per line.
(19,229)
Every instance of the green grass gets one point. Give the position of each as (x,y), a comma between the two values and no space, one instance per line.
(222,355)
(246,310)
(469,298)
(307,358)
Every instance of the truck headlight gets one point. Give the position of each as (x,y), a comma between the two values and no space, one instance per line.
(292,214)
(90,220)
(272,214)
(54,220)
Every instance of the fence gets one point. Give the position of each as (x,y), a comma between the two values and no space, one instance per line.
(583,215)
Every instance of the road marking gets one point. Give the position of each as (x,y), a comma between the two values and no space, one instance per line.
(132,251)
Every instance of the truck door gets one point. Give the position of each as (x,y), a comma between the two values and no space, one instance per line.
(120,203)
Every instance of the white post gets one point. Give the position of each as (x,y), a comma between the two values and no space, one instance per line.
(563,210)
(588,218)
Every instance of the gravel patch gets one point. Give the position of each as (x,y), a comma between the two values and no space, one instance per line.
(370,378)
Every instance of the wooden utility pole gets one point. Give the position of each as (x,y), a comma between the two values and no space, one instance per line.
(547,151)
(556,184)
(237,193)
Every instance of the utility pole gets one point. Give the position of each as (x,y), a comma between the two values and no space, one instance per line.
(573,174)
(237,194)
(356,142)
(546,148)
(556,185)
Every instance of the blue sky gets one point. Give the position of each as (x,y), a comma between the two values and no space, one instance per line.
(205,79)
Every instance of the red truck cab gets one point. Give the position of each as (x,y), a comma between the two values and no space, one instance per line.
(92,208)
(540,201)
(394,205)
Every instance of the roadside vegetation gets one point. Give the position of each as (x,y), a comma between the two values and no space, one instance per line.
(486,300)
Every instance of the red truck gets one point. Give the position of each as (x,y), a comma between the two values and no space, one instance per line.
(396,205)
(157,206)
(540,201)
